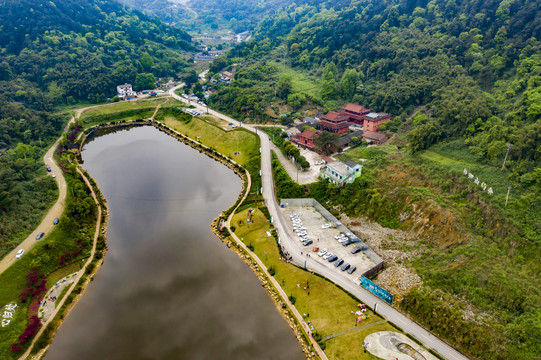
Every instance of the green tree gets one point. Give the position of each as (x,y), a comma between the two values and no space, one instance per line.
(146,61)
(329,89)
(327,141)
(283,88)
(348,83)
(423,135)
(5,71)
(145,81)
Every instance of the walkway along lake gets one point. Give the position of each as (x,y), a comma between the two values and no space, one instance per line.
(168,289)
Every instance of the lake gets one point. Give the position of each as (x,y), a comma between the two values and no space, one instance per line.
(169,288)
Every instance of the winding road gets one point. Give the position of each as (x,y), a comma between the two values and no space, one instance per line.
(293,247)
(55,211)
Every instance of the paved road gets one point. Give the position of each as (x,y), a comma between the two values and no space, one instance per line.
(55,211)
(294,248)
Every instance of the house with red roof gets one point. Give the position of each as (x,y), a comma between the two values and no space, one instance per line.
(334,122)
(374,137)
(306,138)
(354,112)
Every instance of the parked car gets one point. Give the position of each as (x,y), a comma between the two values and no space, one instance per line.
(56,221)
(327,256)
(347,242)
(338,262)
(345,267)
(307,242)
(322,252)
(356,250)
(325,226)
(352,269)
(53,175)
(48,168)
(315,249)
(40,235)
(332,258)
(19,254)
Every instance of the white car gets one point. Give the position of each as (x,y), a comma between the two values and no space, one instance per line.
(322,252)
(327,255)
(325,226)
(338,236)
(19,254)
(53,175)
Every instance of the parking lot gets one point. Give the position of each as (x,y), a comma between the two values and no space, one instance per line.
(306,223)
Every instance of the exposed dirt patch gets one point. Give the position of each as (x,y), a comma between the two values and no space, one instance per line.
(395,247)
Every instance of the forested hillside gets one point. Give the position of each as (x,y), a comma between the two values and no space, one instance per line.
(212,15)
(471,72)
(58,53)
(476,65)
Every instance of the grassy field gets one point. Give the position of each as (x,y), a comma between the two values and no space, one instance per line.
(128,105)
(327,307)
(299,81)
(211,134)
(494,177)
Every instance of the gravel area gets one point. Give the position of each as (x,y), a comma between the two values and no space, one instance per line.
(395,248)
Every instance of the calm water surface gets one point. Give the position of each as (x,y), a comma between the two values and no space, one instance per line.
(169,289)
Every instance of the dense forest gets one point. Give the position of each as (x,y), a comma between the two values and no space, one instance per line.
(55,54)
(463,82)
(216,15)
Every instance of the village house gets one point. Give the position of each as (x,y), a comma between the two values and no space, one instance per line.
(306,138)
(374,137)
(340,173)
(227,76)
(125,92)
(334,122)
(345,140)
(372,121)
(209,56)
(354,113)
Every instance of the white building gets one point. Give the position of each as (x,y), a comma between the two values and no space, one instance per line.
(125,91)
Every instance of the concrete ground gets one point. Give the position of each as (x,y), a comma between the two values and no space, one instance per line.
(324,238)
(380,344)
(304,177)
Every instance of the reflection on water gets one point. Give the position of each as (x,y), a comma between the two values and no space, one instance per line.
(169,289)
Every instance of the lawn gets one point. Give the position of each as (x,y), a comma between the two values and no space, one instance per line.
(326,306)
(128,105)
(363,152)
(240,141)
